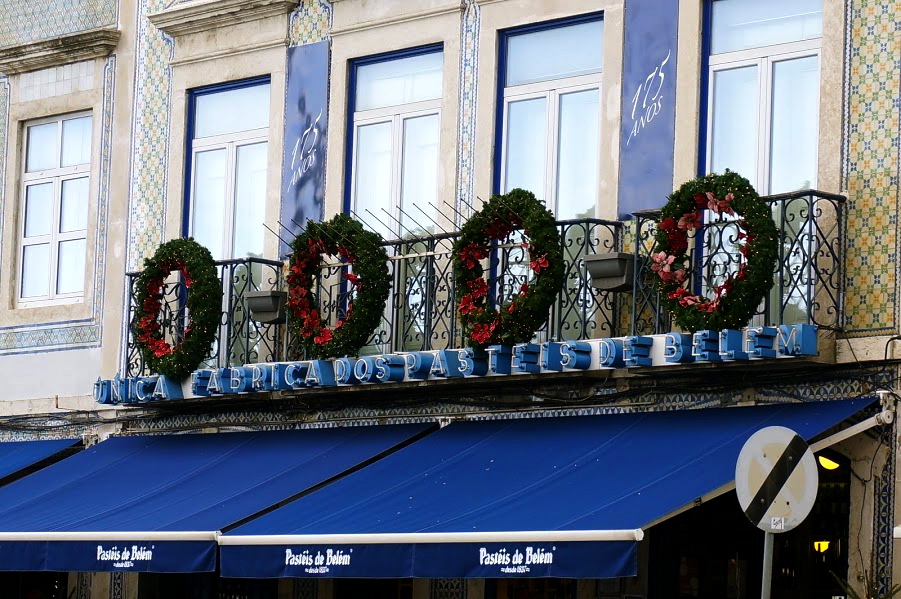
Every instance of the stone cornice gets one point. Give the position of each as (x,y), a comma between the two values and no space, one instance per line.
(66,49)
(203,15)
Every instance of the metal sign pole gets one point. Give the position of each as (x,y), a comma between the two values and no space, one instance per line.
(766,583)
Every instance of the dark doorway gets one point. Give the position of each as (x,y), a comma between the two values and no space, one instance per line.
(714,552)
(34,585)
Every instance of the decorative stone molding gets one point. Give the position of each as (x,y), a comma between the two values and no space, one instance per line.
(84,45)
(204,15)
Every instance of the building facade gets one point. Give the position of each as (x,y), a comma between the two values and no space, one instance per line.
(127,123)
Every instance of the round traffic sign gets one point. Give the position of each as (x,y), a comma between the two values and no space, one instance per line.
(776,479)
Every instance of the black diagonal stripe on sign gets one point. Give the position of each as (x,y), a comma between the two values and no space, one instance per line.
(776,479)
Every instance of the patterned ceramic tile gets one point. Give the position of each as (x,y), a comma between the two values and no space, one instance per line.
(469,73)
(35,20)
(150,137)
(870,162)
(310,23)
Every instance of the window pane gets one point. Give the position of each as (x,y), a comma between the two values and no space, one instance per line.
(38,209)
(240,109)
(735,115)
(372,182)
(250,200)
(577,157)
(555,53)
(209,206)
(36,270)
(525,146)
(77,141)
(74,208)
(42,152)
(400,81)
(70,273)
(741,24)
(793,153)
(420,173)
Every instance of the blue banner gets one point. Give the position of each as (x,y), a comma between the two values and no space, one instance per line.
(306,124)
(596,559)
(108,556)
(648,105)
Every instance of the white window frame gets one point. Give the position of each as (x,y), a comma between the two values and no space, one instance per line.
(551,90)
(764,58)
(396,115)
(55,176)
(230,142)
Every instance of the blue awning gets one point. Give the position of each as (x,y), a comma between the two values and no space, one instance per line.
(537,497)
(157,503)
(17,455)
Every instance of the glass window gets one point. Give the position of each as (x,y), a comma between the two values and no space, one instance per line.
(54,218)
(229,152)
(743,24)
(396,124)
(764,91)
(551,115)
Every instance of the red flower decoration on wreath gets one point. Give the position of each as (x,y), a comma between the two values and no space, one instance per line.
(737,297)
(369,286)
(518,316)
(192,339)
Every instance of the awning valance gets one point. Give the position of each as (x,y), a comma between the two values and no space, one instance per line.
(560,497)
(157,503)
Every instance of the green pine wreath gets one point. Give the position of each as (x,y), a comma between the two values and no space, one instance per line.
(518,320)
(362,249)
(736,300)
(203,304)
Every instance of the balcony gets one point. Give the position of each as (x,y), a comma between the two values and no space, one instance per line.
(420,313)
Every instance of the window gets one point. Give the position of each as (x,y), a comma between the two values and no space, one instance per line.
(395,108)
(764,91)
(551,80)
(54,218)
(228,151)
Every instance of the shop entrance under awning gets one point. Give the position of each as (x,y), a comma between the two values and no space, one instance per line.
(157,503)
(560,497)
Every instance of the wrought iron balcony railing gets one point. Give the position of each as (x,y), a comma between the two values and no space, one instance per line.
(421,311)
(809,279)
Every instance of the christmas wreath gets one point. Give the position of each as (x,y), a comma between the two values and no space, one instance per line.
(737,298)
(203,304)
(346,238)
(517,321)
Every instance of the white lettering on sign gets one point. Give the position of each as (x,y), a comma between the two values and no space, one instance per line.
(303,156)
(517,562)
(651,103)
(126,556)
(318,563)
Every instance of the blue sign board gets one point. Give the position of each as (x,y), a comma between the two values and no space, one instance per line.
(109,556)
(567,559)
(648,105)
(306,124)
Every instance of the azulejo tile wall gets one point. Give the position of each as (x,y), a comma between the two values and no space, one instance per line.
(19,24)
(469,73)
(310,23)
(870,163)
(150,136)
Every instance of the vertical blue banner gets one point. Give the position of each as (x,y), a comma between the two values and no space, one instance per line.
(306,124)
(648,108)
